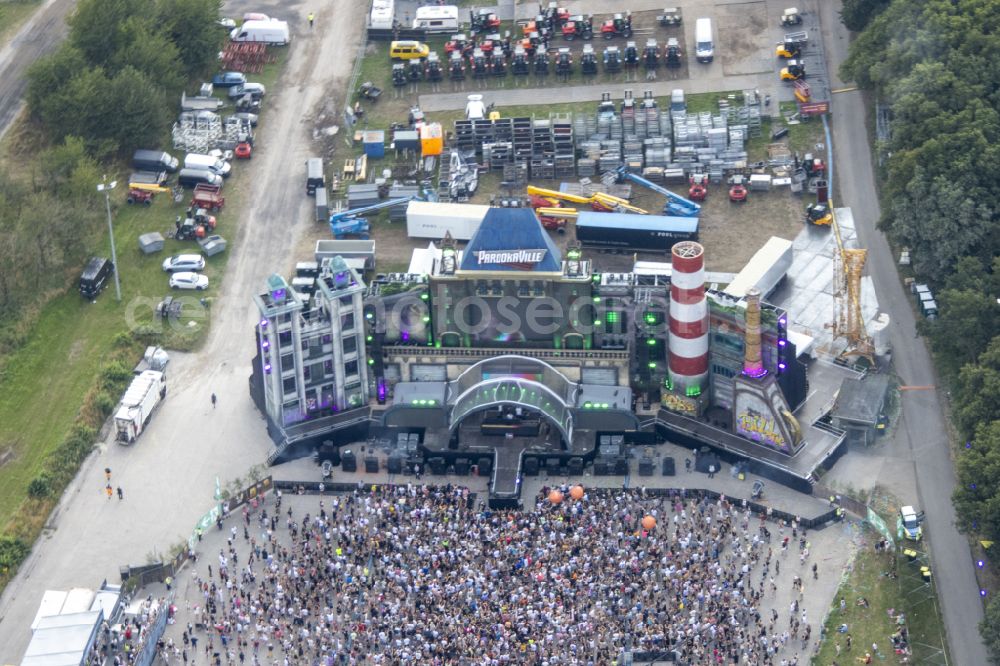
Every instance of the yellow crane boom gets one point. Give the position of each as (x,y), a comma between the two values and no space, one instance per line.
(848,319)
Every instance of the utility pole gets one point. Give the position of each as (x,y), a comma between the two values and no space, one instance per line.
(106,187)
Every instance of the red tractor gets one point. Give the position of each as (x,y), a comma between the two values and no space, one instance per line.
(618,26)
(460,43)
(578,26)
(737,189)
(698,190)
(483,20)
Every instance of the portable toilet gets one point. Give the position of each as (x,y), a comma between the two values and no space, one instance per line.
(374,143)
(431,139)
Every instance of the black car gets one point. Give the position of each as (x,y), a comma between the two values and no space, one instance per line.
(94,276)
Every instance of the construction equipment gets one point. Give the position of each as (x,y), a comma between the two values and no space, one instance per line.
(698,191)
(483,20)
(812,167)
(673,53)
(414,70)
(141,196)
(433,70)
(456,69)
(479,67)
(541,63)
(208,197)
(620,25)
(554,16)
(790,16)
(554,219)
(498,64)
(737,189)
(578,26)
(793,71)
(631,55)
(599,201)
(676,205)
(671,16)
(398,75)
(849,322)
(819,214)
(352,222)
(651,55)
(588,60)
(612,60)
(792,45)
(520,65)
(460,43)
(564,62)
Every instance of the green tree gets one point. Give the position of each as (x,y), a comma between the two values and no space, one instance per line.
(151,52)
(967,321)
(977,391)
(192,26)
(857,14)
(48,75)
(140,110)
(98,27)
(977,497)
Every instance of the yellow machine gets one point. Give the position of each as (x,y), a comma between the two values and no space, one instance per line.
(794,71)
(601,199)
(792,45)
(819,214)
(849,321)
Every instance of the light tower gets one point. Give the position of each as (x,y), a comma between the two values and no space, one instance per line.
(688,336)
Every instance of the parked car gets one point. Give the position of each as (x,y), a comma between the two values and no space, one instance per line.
(193,177)
(189,281)
(247,118)
(256,90)
(910,520)
(154,160)
(184,262)
(229,79)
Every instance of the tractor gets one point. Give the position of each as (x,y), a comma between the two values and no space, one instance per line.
(612,60)
(433,72)
(588,60)
(398,75)
(196,224)
(672,53)
(564,62)
(698,191)
(819,214)
(520,65)
(541,63)
(795,70)
(483,20)
(498,64)
(651,55)
(415,70)
(791,46)
(737,189)
(670,17)
(813,167)
(578,26)
(790,16)
(555,16)
(456,69)
(478,63)
(618,26)
(460,43)
(631,55)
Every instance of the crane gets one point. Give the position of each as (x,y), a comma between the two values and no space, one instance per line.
(676,205)
(599,201)
(848,320)
(351,222)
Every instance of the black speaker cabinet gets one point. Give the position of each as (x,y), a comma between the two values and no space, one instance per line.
(602,467)
(348,461)
(668,466)
(621,466)
(371,464)
(437,465)
(531,466)
(462,467)
(553,466)
(646,467)
(575,466)
(395,465)
(485,466)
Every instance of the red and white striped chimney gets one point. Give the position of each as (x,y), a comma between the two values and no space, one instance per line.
(688,339)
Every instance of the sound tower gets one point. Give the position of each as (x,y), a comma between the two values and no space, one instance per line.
(348,461)
(668,466)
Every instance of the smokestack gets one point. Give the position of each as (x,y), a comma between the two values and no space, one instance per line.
(753,366)
(688,338)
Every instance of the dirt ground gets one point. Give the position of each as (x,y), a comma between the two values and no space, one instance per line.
(743,31)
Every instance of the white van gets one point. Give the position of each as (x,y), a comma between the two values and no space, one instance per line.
(438,18)
(704,47)
(269,32)
(207,163)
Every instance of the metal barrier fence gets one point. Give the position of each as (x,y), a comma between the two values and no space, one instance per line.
(147,653)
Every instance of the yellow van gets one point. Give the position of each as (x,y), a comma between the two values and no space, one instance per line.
(408,49)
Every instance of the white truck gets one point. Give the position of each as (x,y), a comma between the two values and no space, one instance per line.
(272,32)
(137,405)
(432,219)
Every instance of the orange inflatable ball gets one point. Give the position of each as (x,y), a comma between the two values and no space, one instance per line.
(576,492)
(556,497)
(649,522)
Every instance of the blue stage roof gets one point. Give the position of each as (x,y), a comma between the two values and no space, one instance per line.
(511,239)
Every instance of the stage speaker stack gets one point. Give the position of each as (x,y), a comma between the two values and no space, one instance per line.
(553,466)
(395,465)
(485,466)
(621,466)
(371,464)
(462,467)
(668,466)
(646,467)
(531,466)
(575,466)
(437,465)
(602,467)
(348,461)
(453,442)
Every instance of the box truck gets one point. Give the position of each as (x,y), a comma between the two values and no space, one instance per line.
(137,405)
(431,219)
(625,231)
(269,32)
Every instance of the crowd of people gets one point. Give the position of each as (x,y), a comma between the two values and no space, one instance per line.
(425,576)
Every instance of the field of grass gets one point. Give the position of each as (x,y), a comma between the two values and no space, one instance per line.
(46,380)
(13,14)
(870,576)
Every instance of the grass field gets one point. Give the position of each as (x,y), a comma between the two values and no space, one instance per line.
(13,14)
(45,381)
(889,599)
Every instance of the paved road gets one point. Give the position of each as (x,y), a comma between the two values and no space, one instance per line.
(38,36)
(169,476)
(922,430)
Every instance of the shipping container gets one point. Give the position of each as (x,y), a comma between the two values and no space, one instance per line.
(624,231)
(764,270)
(428,219)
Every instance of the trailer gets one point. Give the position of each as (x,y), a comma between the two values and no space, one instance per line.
(675,206)
(432,219)
(137,405)
(644,233)
(199,103)
(765,270)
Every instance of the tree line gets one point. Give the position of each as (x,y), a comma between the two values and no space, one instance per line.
(936,64)
(112,86)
